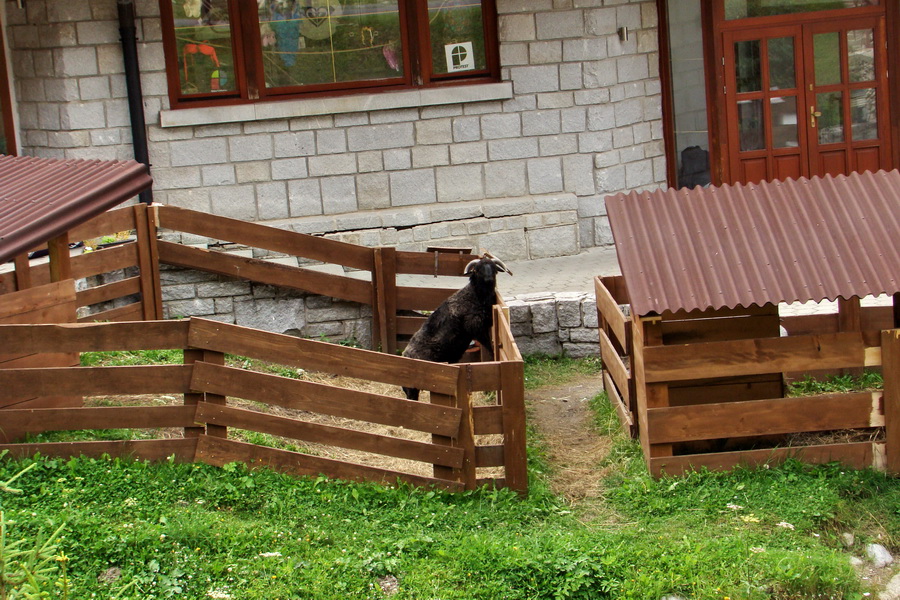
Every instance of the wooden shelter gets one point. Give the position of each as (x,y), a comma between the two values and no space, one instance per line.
(696,349)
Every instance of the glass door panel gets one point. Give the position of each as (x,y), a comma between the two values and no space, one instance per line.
(861,55)
(827,57)
(830,117)
(784,122)
(863,114)
(782,73)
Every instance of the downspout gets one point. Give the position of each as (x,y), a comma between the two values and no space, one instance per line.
(133,84)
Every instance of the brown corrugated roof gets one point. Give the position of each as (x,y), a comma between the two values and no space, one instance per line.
(40,198)
(743,245)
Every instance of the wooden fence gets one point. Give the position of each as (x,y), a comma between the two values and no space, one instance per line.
(135,293)
(212,395)
(731,416)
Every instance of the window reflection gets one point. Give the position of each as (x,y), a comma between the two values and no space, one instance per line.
(742,9)
(203,41)
(750,125)
(863,114)
(784,122)
(861,54)
(781,63)
(747,66)
(831,121)
(325,41)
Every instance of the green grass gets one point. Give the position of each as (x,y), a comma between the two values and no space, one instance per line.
(173,530)
(808,386)
(541,370)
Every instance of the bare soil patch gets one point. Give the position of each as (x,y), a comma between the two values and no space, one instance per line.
(562,417)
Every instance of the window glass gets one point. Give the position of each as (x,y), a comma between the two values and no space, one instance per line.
(784,122)
(324,41)
(747,67)
(742,9)
(203,45)
(831,120)
(864,114)
(457,36)
(750,125)
(827,57)
(861,50)
(781,63)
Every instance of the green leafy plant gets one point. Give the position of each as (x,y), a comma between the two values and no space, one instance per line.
(29,570)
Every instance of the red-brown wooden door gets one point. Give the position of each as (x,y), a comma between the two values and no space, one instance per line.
(806,99)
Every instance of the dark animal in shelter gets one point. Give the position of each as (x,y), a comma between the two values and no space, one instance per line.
(465,316)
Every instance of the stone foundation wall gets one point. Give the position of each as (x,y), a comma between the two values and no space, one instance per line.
(554,323)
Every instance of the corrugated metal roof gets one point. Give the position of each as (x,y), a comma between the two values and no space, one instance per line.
(40,198)
(743,245)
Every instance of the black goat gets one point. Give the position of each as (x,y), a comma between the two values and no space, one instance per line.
(465,316)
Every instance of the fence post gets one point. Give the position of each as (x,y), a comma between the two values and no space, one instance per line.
(192,355)
(465,436)
(511,396)
(384,305)
(890,365)
(148,261)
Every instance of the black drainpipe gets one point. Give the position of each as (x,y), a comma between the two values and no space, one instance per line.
(133,83)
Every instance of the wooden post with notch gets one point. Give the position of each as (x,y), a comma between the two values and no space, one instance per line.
(60,265)
(192,355)
(384,301)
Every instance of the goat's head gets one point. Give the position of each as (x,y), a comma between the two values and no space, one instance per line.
(485,269)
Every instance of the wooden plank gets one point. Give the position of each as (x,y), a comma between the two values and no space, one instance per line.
(109,291)
(489,456)
(93,381)
(269,238)
(434,263)
(105,417)
(94,337)
(128,312)
(384,311)
(407,325)
(36,298)
(270,273)
(193,356)
(484,376)
(858,455)
(465,437)
(626,419)
(488,419)
(741,327)
(328,435)
(762,417)
(325,399)
(727,389)
(890,344)
(153,450)
(512,399)
(419,298)
(440,471)
(614,366)
(60,262)
(22,272)
(322,356)
(752,357)
(219,452)
(610,311)
(33,361)
(105,260)
(507,349)
(146,277)
(107,223)
(152,235)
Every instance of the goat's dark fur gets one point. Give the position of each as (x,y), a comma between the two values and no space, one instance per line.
(465,316)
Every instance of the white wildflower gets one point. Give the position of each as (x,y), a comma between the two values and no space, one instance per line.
(270,554)
(733,506)
(786,525)
(218,593)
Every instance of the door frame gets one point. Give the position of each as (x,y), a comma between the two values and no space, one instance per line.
(712,28)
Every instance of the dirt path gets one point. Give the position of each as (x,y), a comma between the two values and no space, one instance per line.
(562,417)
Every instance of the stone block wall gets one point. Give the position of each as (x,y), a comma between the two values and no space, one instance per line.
(576,116)
(548,323)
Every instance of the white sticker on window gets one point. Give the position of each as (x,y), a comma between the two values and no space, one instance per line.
(460,57)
